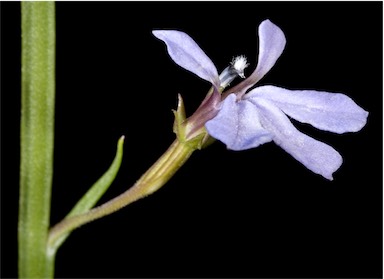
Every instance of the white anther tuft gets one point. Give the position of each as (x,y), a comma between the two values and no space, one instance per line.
(239,63)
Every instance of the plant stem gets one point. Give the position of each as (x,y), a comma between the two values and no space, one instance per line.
(37,135)
(155,177)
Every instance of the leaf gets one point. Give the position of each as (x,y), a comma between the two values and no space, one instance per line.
(93,195)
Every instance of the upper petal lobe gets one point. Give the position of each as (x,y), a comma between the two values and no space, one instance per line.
(187,54)
(271,45)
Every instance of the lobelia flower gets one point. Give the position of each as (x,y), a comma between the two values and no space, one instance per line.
(244,120)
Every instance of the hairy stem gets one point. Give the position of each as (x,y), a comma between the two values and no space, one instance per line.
(37,133)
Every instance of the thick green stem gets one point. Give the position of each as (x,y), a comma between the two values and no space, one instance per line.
(37,134)
(155,177)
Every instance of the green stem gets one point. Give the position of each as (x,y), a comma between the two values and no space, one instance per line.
(155,177)
(37,134)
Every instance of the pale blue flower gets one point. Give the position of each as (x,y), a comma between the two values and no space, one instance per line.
(246,120)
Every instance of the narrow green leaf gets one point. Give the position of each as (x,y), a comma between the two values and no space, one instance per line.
(92,196)
(98,189)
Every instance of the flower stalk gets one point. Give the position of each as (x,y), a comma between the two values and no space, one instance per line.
(154,178)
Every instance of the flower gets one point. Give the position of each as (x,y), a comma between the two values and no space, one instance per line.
(245,120)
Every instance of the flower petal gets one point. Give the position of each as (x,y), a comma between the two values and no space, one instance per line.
(334,112)
(271,45)
(313,154)
(237,125)
(187,54)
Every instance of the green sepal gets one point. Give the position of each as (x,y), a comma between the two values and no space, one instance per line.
(178,127)
(198,141)
(207,141)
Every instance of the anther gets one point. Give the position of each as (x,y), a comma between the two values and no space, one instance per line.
(236,68)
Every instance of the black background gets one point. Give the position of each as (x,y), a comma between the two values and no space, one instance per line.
(255,213)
